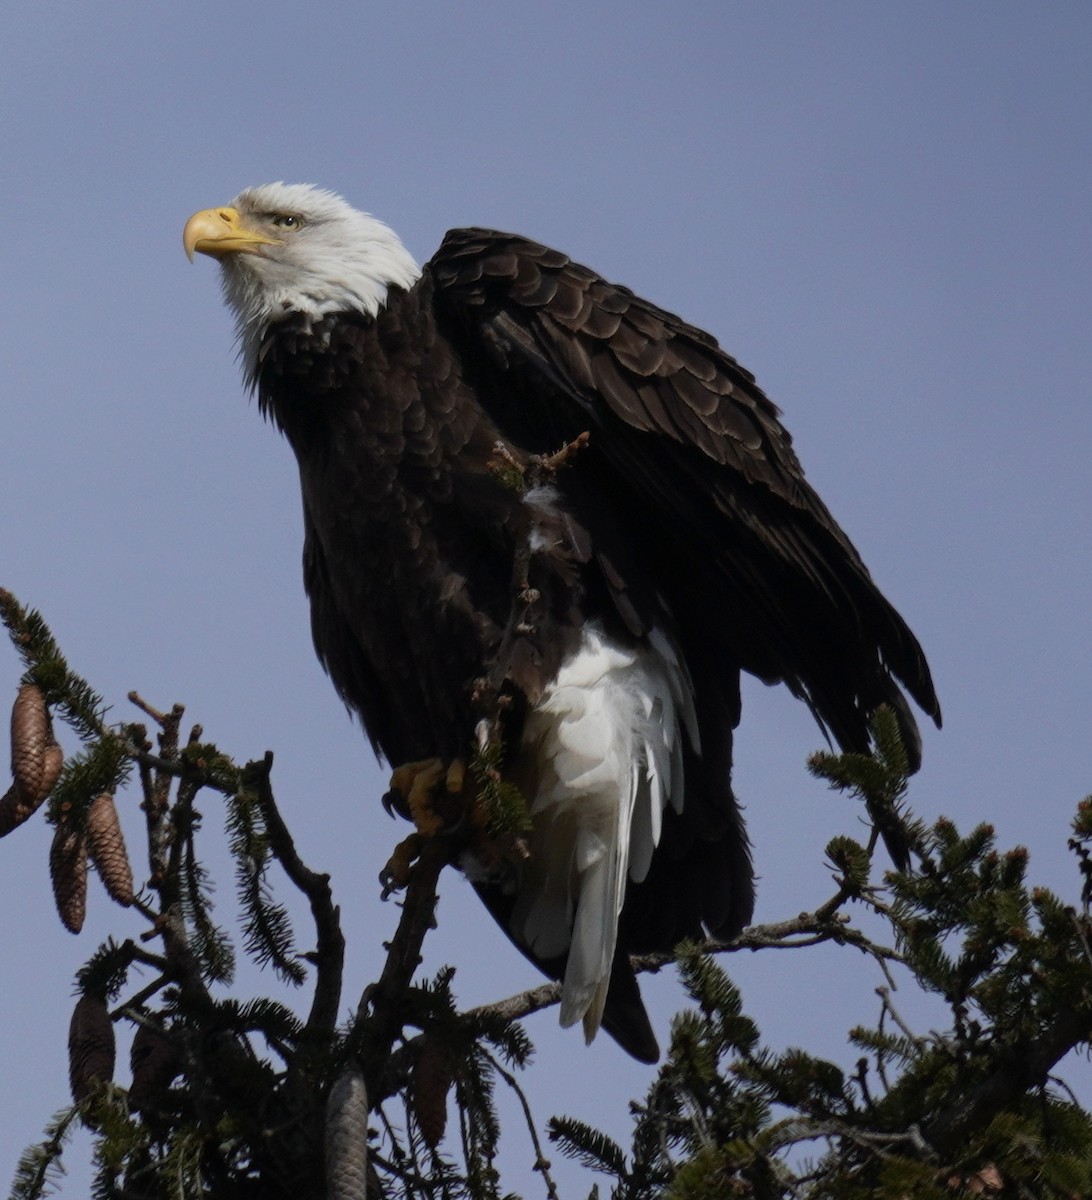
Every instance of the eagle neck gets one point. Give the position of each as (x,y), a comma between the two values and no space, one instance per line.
(307,368)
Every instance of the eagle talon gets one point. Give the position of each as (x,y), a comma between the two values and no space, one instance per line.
(417,788)
(455,777)
(396,874)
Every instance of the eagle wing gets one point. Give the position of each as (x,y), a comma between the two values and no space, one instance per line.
(686,443)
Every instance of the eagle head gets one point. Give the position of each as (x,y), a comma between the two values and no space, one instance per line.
(294,248)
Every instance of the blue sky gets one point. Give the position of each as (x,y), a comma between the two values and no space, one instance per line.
(881,210)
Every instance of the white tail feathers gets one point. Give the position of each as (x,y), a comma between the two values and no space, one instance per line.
(600,759)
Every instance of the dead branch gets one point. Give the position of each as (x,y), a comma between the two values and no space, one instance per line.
(379,1015)
(329,955)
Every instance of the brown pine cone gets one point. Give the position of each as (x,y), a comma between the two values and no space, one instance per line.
(31,739)
(68,870)
(429,1087)
(154,1063)
(106,845)
(16,807)
(347,1138)
(36,759)
(90,1047)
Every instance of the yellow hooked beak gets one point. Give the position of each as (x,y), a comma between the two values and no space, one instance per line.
(221,231)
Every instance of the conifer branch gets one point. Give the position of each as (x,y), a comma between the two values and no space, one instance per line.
(522,1004)
(807,929)
(40,1165)
(1021,1069)
(329,954)
(379,1015)
(268,937)
(542,1163)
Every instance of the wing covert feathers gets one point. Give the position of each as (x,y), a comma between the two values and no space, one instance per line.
(720,475)
(651,369)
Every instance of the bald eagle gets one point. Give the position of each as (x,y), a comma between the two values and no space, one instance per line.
(680,546)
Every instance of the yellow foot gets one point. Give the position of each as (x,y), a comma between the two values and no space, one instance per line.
(431,797)
(415,782)
(417,785)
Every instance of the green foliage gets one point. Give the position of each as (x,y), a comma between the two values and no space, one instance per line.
(268,930)
(212,767)
(277,1024)
(928,1115)
(106,972)
(209,944)
(699,1111)
(881,775)
(180,1170)
(851,862)
(588,1146)
(80,704)
(506,811)
(878,779)
(102,766)
(468,1041)
(40,1169)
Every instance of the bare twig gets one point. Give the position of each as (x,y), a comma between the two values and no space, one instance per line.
(137,1001)
(884,994)
(546,995)
(542,1163)
(807,929)
(160,718)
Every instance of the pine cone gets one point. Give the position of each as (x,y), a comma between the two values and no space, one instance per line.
(36,759)
(347,1137)
(154,1063)
(90,1047)
(31,739)
(429,1087)
(106,845)
(68,870)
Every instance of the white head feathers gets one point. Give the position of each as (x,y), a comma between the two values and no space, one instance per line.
(327,257)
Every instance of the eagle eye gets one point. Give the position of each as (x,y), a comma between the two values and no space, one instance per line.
(287,221)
